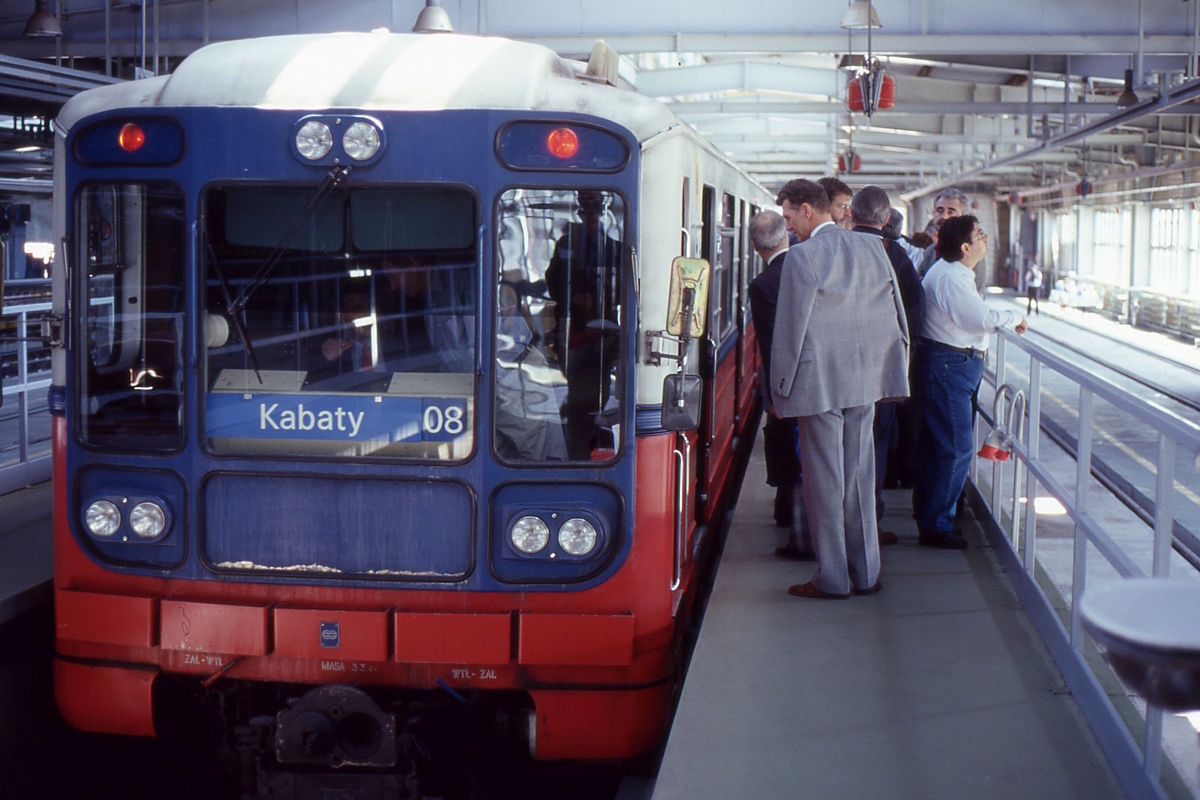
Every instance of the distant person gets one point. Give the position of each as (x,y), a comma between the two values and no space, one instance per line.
(922,240)
(870,209)
(768,234)
(839,195)
(950,356)
(894,230)
(840,345)
(1033,288)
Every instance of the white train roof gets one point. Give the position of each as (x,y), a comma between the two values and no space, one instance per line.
(379,71)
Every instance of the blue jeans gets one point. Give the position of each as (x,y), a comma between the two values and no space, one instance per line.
(946,381)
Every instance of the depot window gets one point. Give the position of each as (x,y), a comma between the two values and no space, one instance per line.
(340,323)
(132,251)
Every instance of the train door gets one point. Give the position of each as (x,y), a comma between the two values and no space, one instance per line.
(720,363)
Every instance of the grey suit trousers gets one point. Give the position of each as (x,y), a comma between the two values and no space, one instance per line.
(837,450)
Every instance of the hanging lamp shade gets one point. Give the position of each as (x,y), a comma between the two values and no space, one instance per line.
(433,19)
(860,16)
(41,22)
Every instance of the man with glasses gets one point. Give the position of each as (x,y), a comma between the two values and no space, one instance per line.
(949,365)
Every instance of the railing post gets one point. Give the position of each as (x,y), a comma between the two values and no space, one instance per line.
(1034,437)
(1164,533)
(1164,517)
(1083,476)
(23,383)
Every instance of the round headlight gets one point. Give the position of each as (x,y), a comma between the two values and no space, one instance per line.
(147,520)
(102,519)
(577,536)
(314,140)
(361,141)
(529,534)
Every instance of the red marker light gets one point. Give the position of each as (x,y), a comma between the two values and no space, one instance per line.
(563,142)
(131,137)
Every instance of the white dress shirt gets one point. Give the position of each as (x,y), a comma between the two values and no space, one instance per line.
(955,314)
(813,232)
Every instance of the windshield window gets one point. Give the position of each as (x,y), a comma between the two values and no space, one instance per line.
(133,244)
(559,318)
(340,324)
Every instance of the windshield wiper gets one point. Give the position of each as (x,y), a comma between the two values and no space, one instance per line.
(235,317)
(332,180)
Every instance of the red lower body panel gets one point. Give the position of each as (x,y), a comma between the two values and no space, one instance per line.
(105,699)
(607,725)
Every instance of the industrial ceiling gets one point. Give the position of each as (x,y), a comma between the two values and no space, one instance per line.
(1005,97)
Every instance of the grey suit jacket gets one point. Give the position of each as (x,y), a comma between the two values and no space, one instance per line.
(840,335)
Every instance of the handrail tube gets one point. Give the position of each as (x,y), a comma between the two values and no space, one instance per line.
(1182,431)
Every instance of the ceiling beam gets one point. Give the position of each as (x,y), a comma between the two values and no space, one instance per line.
(1176,98)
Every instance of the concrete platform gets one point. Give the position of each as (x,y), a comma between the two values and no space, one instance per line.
(26,570)
(936,687)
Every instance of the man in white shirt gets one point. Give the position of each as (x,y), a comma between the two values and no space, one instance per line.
(949,356)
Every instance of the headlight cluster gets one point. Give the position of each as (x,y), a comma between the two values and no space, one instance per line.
(361,140)
(103,518)
(530,534)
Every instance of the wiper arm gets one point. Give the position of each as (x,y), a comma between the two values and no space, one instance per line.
(332,180)
(234,316)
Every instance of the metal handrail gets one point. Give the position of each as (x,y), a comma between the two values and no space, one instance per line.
(1172,431)
(27,469)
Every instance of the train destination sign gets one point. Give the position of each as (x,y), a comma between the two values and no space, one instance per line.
(341,417)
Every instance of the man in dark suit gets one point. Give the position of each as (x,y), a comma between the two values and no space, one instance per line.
(768,233)
(840,345)
(870,209)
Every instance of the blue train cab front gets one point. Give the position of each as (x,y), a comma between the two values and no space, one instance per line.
(354,367)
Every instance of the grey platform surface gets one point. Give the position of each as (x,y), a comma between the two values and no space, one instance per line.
(25,550)
(936,687)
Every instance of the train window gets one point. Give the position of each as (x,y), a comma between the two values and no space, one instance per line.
(344,327)
(724,269)
(132,241)
(559,316)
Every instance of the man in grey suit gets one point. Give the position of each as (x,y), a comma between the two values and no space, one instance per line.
(840,345)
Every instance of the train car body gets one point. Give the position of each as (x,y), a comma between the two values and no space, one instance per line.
(357,408)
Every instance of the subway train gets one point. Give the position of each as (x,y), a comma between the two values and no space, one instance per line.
(399,378)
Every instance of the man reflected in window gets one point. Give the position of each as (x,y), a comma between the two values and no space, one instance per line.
(353,348)
(583,280)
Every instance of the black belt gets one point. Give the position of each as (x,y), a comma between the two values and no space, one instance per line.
(970,352)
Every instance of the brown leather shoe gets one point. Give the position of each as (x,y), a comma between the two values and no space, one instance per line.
(871,589)
(887,537)
(808,590)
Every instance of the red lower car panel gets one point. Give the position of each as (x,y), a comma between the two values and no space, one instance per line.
(619,724)
(105,699)
(576,639)
(315,633)
(214,628)
(105,618)
(430,638)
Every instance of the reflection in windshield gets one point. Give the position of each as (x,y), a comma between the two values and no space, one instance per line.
(364,336)
(559,312)
(133,240)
